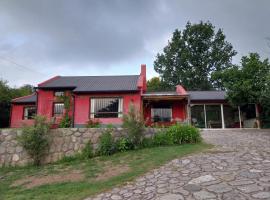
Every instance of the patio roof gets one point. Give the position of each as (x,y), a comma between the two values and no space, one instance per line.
(163,95)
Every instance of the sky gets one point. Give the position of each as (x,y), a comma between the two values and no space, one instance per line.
(40,39)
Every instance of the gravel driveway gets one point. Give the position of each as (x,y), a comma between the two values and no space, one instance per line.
(237,168)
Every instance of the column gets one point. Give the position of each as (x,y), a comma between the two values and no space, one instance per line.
(240,118)
(205,121)
(222,116)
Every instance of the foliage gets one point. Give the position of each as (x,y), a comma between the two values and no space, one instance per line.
(106,145)
(87,151)
(123,144)
(93,123)
(134,123)
(182,134)
(34,139)
(162,139)
(193,55)
(65,122)
(248,83)
(6,95)
(154,84)
(147,142)
(66,100)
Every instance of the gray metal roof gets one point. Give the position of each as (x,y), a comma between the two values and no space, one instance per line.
(94,83)
(26,99)
(207,95)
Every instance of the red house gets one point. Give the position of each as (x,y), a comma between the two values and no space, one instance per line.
(107,98)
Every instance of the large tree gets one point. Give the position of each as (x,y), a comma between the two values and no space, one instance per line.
(248,83)
(192,55)
(155,84)
(7,93)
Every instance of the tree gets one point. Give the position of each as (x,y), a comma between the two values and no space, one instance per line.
(154,84)
(193,55)
(248,83)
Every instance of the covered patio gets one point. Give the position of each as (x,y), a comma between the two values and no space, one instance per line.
(210,109)
(164,108)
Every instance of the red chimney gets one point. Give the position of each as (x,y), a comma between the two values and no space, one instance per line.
(181,90)
(142,79)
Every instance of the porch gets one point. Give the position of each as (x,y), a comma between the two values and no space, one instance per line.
(164,108)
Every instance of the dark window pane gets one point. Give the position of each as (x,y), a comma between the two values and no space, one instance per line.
(161,114)
(58,109)
(29,112)
(197,116)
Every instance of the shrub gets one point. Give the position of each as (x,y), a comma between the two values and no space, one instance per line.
(93,123)
(134,123)
(87,151)
(65,122)
(106,144)
(147,143)
(162,138)
(34,139)
(123,144)
(179,134)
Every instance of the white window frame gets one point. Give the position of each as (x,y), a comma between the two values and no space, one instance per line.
(25,112)
(93,102)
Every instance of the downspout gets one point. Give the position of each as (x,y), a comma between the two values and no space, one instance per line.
(189,111)
(36,100)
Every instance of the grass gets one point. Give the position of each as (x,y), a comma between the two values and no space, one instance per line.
(139,162)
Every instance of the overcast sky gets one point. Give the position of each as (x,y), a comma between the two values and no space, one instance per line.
(43,38)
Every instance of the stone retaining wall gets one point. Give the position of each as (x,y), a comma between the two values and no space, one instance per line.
(63,142)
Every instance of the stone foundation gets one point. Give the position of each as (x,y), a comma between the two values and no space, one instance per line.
(63,142)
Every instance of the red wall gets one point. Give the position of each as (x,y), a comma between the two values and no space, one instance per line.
(82,107)
(45,103)
(17,120)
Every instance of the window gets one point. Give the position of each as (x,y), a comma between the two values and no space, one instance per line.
(161,113)
(29,112)
(106,107)
(59,93)
(58,109)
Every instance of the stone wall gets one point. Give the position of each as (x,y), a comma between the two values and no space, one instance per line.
(63,142)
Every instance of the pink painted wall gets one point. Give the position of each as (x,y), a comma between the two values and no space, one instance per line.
(82,107)
(17,120)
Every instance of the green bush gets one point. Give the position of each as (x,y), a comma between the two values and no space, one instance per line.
(134,123)
(34,139)
(87,151)
(180,134)
(106,145)
(65,122)
(93,123)
(147,143)
(161,139)
(124,144)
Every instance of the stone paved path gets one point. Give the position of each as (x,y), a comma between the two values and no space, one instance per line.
(238,168)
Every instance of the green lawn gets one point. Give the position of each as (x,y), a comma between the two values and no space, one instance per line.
(136,163)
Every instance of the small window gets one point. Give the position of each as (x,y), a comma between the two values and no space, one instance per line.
(161,114)
(106,107)
(59,93)
(58,109)
(29,112)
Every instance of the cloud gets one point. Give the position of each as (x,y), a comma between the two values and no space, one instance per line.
(95,37)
